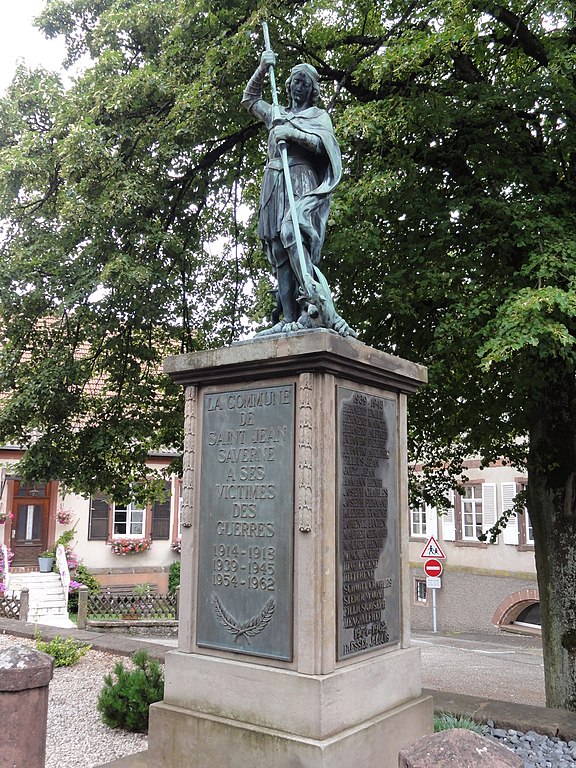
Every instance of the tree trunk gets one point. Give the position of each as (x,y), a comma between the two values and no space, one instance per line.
(551,505)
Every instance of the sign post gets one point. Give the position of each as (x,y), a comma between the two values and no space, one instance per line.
(433,568)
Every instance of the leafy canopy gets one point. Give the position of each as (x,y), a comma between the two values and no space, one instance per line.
(450,242)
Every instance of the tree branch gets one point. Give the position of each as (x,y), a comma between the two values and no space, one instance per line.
(521,34)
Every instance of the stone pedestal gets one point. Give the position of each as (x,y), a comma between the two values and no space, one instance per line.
(24,678)
(294,642)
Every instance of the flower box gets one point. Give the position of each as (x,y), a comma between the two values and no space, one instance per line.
(130,546)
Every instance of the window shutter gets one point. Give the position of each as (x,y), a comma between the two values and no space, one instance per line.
(510,534)
(99,517)
(431,521)
(489,509)
(161,516)
(448,521)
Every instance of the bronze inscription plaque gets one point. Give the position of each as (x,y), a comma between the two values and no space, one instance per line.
(368,526)
(246,522)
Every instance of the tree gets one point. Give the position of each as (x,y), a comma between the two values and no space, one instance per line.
(465,173)
(451,239)
(119,198)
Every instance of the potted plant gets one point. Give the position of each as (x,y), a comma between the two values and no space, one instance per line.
(46,561)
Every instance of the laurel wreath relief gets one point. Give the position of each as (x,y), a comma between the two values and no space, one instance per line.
(248,628)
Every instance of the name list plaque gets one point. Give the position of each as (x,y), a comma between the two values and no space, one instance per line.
(246,522)
(368,592)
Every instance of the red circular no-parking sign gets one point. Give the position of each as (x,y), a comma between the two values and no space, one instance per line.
(433,567)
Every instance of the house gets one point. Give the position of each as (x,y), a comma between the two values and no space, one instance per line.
(483,586)
(119,543)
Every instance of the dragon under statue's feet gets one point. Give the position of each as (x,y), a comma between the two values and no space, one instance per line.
(309,322)
(341,326)
(282,327)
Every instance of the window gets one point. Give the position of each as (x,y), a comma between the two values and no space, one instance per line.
(529,531)
(423,521)
(128,520)
(418,521)
(420,592)
(475,512)
(99,517)
(472,512)
(529,617)
(134,520)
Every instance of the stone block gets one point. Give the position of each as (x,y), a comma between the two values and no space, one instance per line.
(179,737)
(24,678)
(457,748)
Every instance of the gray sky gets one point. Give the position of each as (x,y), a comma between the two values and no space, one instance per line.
(20,40)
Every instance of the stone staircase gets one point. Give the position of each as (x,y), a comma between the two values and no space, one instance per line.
(47,604)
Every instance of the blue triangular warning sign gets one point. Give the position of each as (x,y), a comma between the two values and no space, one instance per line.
(432,549)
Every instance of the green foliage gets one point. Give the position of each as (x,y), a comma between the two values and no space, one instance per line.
(83,576)
(445,721)
(173,576)
(450,240)
(141,590)
(124,702)
(65,651)
(66,538)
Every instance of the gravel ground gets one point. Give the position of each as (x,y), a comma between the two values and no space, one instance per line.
(77,738)
(535,750)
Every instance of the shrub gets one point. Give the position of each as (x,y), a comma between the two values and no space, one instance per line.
(65,652)
(82,575)
(173,576)
(445,721)
(124,703)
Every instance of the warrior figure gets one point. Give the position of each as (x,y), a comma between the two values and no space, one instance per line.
(304,132)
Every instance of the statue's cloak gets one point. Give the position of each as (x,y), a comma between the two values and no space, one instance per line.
(314,177)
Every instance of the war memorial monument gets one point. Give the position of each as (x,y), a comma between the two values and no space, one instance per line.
(294,640)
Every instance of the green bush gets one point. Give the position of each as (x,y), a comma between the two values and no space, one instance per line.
(445,721)
(173,576)
(65,652)
(124,703)
(83,576)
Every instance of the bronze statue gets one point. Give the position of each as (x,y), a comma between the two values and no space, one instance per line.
(304,166)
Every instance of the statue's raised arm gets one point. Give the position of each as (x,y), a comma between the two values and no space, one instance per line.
(302,170)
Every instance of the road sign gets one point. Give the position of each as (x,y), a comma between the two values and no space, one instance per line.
(433,568)
(433,582)
(432,549)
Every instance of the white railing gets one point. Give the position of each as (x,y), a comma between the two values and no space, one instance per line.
(5,568)
(62,564)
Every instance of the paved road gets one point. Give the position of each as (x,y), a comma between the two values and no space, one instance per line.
(496,666)
(500,666)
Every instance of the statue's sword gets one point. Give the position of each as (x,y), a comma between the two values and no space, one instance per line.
(307,279)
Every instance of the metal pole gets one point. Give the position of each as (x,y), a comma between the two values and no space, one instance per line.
(286,168)
(434,629)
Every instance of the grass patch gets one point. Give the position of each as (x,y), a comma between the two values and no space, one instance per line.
(444,721)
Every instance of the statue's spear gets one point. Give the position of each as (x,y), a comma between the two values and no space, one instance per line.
(307,280)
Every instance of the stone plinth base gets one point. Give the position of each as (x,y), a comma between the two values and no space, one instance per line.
(310,706)
(295,469)
(219,711)
(184,739)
